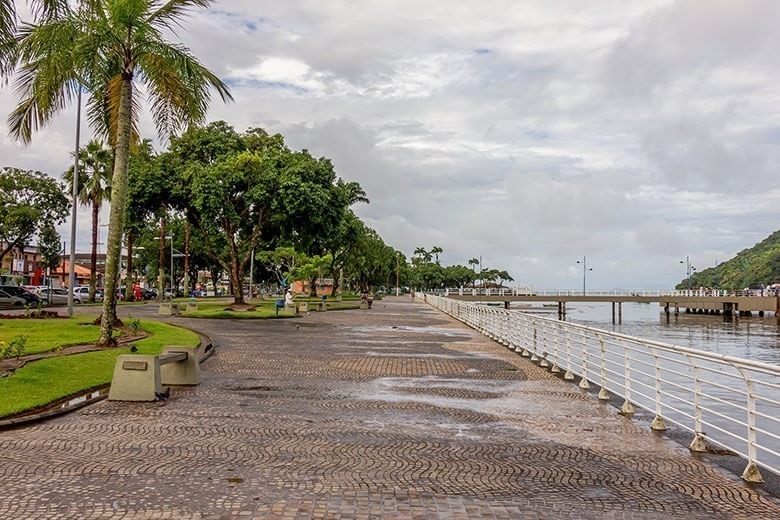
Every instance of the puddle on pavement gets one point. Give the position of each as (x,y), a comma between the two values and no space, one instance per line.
(414,330)
(398,389)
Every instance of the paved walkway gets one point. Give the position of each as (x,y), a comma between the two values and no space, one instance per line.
(397,412)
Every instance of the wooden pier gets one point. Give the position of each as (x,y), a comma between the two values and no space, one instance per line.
(672,304)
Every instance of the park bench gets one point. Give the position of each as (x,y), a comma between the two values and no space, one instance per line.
(140,377)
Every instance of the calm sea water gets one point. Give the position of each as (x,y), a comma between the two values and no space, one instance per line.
(752,338)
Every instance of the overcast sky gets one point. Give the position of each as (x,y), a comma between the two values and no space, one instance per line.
(530,133)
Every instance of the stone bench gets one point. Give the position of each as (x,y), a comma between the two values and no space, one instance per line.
(139,377)
(168,309)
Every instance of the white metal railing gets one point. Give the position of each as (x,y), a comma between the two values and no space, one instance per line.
(722,400)
(528,291)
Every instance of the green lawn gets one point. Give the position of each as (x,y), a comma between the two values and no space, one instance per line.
(265,308)
(48,334)
(48,380)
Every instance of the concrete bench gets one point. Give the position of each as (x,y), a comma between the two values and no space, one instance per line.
(139,377)
(168,309)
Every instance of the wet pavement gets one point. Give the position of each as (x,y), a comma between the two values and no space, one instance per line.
(396,412)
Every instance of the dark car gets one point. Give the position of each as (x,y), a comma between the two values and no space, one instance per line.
(21,292)
(146,294)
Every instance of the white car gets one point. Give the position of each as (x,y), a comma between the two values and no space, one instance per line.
(7,300)
(81,294)
(54,297)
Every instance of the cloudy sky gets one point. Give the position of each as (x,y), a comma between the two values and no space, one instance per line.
(532,133)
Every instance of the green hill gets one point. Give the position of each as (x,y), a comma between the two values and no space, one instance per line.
(751,267)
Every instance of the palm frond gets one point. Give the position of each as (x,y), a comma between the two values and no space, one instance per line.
(170,14)
(47,81)
(178,86)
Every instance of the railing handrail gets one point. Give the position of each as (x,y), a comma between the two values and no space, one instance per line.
(691,388)
(702,354)
(530,291)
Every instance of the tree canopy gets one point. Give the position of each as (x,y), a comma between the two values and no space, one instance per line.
(31,201)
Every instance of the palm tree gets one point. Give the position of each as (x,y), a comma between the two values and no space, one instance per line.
(108,47)
(94,188)
(435,250)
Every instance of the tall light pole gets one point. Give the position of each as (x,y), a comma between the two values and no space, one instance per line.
(171,237)
(688,269)
(74,210)
(585,269)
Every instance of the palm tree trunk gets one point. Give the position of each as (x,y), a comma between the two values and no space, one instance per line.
(93,254)
(117,215)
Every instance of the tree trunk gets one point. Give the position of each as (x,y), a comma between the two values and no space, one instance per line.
(117,215)
(235,275)
(93,253)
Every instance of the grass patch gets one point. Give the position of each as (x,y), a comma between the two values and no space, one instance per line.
(217,309)
(265,309)
(46,335)
(48,380)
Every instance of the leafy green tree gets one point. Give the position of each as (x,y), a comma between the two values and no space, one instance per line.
(341,245)
(109,46)
(250,192)
(30,201)
(458,276)
(373,263)
(229,200)
(94,188)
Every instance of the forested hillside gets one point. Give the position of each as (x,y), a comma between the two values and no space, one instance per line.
(751,267)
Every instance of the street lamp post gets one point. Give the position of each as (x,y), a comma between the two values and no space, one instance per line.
(688,270)
(585,269)
(74,209)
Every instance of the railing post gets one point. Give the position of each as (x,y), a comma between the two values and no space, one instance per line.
(568,375)
(584,384)
(627,408)
(658,422)
(751,473)
(697,444)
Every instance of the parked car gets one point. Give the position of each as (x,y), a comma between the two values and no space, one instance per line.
(20,292)
(147,294)
(54,296)
(81,294)
(10,301)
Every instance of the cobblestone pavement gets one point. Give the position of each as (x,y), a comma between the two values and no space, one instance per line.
(397,412)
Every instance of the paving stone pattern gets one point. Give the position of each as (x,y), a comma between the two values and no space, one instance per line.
(397,412)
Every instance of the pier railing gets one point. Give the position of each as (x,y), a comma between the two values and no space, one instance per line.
(528,291)
(725,402)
